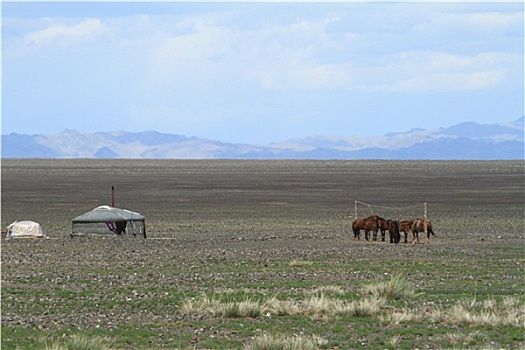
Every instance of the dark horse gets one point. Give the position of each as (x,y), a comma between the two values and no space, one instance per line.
(393,231)
(419,226)
(367,224)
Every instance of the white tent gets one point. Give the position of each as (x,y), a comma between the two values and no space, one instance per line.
(109,221)
(25,229)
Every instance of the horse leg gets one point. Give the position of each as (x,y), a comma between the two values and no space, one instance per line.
(415,237)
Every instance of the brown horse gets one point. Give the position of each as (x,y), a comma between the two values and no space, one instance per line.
(405,226)
(383,227)
(357,226)
(371,225)
(419,226)
(367,224)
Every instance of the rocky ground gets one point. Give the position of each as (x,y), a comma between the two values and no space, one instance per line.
(214,226)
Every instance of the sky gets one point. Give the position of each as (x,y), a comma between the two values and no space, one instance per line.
(260,72)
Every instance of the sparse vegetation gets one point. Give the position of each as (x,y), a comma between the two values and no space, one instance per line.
(282,342)
(77,342)
(315,306)
(243,252)
(396,287)
(300,263)
(327,290)
(509,312)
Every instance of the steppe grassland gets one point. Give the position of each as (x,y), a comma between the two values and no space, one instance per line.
(269,246)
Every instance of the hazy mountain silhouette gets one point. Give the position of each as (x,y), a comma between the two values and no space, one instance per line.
(466,140)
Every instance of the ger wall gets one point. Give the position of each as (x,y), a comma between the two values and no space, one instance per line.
(133,229)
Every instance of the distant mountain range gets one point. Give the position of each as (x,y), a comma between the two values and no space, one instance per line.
(463,141)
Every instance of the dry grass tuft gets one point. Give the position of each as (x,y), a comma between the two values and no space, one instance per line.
(327,290)
(403,315)
(509,312)
(281,307)
(233,309)
(79,342)
(462,339)
(366,307)
(394,288)
(394,341)
(202,305)
(318,305)
(236,309)
(281,342)
(300,263)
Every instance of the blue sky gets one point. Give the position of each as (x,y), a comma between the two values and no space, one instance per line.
(260,72)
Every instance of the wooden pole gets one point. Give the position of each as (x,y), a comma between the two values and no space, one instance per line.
(355,209)
(425,224)
(113,196)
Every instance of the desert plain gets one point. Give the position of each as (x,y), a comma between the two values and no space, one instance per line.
(233,231)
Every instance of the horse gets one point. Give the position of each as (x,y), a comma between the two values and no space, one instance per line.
(419,226)
(383,226)
(367,224)
(393,231)
(405,226)
(371,225)
(357,225)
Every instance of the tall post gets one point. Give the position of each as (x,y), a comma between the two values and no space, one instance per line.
(112,196)
(355,209)
(425,224)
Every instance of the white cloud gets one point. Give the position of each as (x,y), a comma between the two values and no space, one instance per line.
(294,56)
(414,71)
(496,21)
(192,69)
(65,35)
(306,55)
(199,54)
(417,71)
(206,51)
(485,23)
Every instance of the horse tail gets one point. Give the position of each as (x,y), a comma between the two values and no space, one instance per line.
(355,229)
(429,229)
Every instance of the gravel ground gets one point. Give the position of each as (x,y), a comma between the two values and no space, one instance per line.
(212,223)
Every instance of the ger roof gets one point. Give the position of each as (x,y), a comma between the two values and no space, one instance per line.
(108,214)
(25,223)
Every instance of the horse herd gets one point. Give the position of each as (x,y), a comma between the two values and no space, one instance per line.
(375,223)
